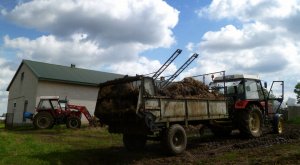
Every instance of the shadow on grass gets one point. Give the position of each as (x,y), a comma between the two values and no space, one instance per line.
(111,155)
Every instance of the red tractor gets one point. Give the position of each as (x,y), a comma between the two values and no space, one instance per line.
(52,111)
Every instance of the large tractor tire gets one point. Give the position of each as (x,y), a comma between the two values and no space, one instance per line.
(43,120)
(278,126)
(175,139)
(73,122)
(250,122)
(134,142)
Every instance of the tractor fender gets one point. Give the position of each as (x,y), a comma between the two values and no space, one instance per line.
(241,104)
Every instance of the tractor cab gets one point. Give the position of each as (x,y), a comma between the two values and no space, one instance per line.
(53,105)
(63,104)
(241,89)
(49,103)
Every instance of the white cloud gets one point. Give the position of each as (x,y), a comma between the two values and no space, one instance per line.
(265,42)
(142,66)
(229,37)
(190,46)
(83,53)
(5,76)
(108,22)
(93,34)
(250,10)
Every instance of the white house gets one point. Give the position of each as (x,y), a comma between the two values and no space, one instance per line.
(34,79)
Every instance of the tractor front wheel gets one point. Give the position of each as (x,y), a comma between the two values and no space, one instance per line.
(278,124)
(43,120)
(73,122)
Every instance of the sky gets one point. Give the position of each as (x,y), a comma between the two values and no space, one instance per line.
(137,36)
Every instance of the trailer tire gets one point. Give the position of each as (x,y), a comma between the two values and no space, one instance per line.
(175,139)
(43,120)
(73,122)
(251,122)
(134,142)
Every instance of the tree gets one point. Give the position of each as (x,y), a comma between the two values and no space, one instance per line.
(297,91)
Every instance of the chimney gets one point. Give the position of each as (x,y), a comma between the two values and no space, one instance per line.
(73,65)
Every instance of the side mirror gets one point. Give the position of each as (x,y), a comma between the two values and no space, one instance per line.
(265,84)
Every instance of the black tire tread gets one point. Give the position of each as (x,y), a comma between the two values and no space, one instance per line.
(243,121)
(41,114)
(171,149)
(69,125)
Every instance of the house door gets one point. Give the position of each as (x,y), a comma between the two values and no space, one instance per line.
(25,110)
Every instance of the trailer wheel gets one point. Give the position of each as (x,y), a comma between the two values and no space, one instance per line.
(278,124)
(134,142)
(73,122)
(43,120)
(175,140)
(251,122)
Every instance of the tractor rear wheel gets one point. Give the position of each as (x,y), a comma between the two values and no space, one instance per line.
(73,122)
(175,139)
(251,122)
(43,120)
(134,142)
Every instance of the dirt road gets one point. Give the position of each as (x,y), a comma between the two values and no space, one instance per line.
(269,149)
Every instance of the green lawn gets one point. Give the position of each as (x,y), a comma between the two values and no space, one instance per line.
(55,146)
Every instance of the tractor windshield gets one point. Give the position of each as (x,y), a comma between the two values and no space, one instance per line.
(55,104)
(44,104)
(231,87)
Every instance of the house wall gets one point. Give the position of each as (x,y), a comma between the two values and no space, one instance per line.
(22,94)
(76,94)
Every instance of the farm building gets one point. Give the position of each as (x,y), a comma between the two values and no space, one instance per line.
(34,79)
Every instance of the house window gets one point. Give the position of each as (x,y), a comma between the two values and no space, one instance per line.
(22,76)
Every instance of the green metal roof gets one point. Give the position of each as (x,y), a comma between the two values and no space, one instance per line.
(67,74)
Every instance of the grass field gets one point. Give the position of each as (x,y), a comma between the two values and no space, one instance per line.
(56,146)
(59,145)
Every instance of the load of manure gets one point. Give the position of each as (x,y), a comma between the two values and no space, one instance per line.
(189,87)
(123,97)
